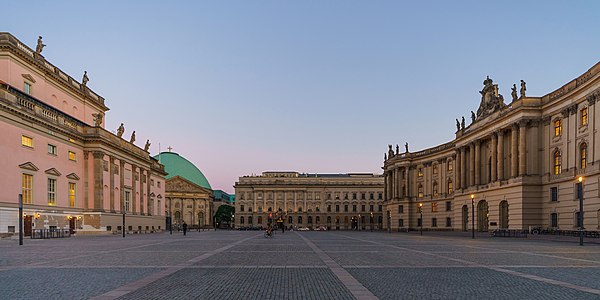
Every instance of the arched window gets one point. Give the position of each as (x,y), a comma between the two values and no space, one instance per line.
(177,216)
(450,186)
(420,190)
(557,162)
(435,189)
(583,155)
(300,220)
(310,220)
(328,220)
(557,128)
(290,219)
(249,219)
(241,220)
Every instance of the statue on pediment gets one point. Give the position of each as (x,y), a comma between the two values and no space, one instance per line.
(40,45)
(523,88)
(491,100)
(390,151)
(132,139)
(121,130)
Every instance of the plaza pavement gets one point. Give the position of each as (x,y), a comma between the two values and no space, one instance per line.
(298,265)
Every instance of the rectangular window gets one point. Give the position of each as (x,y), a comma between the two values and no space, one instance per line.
(362,207)
(362,196)
(380,196)
(371,207)
(26,141)
(346,208)
(433,222)
(27,188)
(337,208)
(72,194)
(51,191)
(353,207)
(241,208)
(51,149)
(127,200)
(317,196)
(557,128)
(584,116)
(435,169)
(420,172)
(400,222)
(448,205)
(72,156)
(554,194)
(353,196)
(27,88)
(434,207)
(448,222)
(554,220)
(400,209)
(450,166)
(329,208)
(380,208)
(371,196)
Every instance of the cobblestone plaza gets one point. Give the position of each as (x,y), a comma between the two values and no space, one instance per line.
(298,265)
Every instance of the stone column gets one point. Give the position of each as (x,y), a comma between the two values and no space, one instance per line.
(150,204)
(406,182)
(98,180)
(122,179)
(513,151)
(86,197)
(500,157)
(472,164)
(133,189)
(477,162)
(111,171)
(141,191)
(457,170)
(522,148)
(494,158)
(463,168)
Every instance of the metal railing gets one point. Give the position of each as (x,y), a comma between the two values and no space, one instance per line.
(50,233)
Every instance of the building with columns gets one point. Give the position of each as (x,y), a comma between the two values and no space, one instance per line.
(72,172)
(188,194)
(336,201)
(520,162)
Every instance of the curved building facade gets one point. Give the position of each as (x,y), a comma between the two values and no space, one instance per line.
(515,166)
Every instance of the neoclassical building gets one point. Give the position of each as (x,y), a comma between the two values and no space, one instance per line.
(72,173)
(520,162)
(335,201)
(189,196)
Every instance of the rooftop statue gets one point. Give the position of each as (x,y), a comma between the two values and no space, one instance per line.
(457,125)
(40,45)
(97,119)
(132,139)
(523,88)
(85,78)
(397,149)
(384,156)
(462,123)
(121,130)
(513,92)
(491,100)
(406,146)
(472,117)
(390,151)
(147,146)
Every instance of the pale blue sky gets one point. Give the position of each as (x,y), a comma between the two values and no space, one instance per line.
(241,87)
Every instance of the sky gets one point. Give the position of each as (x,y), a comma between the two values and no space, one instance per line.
(242,87)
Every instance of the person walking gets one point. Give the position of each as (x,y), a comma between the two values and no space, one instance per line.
(184,225)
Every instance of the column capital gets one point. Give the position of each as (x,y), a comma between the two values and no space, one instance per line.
(98,154)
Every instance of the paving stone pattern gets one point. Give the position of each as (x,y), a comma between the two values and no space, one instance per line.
(298,265)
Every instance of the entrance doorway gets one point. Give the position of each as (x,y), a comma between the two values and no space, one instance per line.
(72,225)
(27,224)
(504,214)
(465,218)
(482,216)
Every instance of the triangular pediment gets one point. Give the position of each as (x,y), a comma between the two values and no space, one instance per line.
(159,196)
(29,166)
(73,176)
(152,195)
(28,77)
(52,171)
(180,184)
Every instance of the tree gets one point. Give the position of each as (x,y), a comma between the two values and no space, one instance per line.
(224,214)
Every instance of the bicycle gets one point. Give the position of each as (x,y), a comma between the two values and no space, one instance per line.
(268,233)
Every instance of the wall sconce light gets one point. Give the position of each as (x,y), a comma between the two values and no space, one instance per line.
(69,218)
(78,217)
(38,215)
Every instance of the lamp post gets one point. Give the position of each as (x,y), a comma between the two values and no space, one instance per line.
(472,216)
(421,216)
(358,222)
(20,219)
(580,192)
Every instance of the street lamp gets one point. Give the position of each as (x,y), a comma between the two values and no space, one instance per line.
(472,216)
(421,216)
(580,191)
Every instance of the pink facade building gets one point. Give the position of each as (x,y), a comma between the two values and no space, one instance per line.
(72,172)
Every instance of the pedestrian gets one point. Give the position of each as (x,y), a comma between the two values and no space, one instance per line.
(282,228)
(184,226)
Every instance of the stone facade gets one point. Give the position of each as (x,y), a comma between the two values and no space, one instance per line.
(72,172)
(520,161)
(189,202)
(336,201)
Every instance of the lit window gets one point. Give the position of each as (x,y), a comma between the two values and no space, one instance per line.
(435,169)
(584,116)
(26,141)
(51,191)
(51,149)
(557,128)
(420,191)
(450,166)
(583,155)
(434,207)
(71,194)
(72,156)
(27,188)
(435,189)
(420,172)
(450,186)
(27,88)
(127,200)
(557,163)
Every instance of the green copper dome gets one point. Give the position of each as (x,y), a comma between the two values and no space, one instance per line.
(176,165)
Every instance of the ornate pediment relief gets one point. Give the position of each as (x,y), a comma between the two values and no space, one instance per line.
(29,166)
(491,100)
(52,171)
(73,176)
(180,184)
